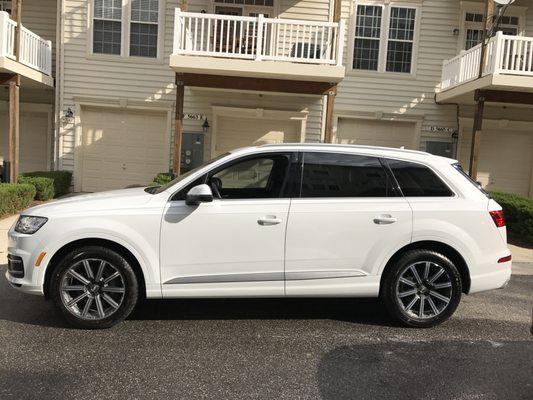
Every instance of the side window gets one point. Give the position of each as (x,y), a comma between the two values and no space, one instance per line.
(417,180)
(255,178)
(344,175)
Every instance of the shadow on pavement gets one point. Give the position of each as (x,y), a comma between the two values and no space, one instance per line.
(436,370)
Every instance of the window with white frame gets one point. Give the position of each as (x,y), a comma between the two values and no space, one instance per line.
(473,26)
(5,6)
(384,38)
(144,28)
(107,26)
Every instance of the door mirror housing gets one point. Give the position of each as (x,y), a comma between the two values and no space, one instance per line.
(199,194)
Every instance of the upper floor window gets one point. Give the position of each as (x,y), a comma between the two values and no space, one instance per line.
(126,27)
(144,28)
(384,38)
(107,23)
(473,26)
(5,6)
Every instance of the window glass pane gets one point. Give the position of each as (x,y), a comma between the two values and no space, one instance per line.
(252,179)
(368,21)
(399,56)
(366,54)
(108,9)
(367,34)
(145,10)
(143,40)
(107,37)
(402,23)
(473,38)
(416,180)
(344,175)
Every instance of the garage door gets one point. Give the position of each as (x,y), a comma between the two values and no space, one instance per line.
(505,159)
(33,151)
(122,148)
(376,133)
(234,132)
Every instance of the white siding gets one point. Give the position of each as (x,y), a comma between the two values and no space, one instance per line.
(133,82)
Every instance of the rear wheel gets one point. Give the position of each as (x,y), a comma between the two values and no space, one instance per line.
(422,289)
(94,287)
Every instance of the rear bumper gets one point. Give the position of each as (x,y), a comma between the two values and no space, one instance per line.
(497,278)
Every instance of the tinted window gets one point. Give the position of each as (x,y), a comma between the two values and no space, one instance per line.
(255,178)
(344,175)
(417,180)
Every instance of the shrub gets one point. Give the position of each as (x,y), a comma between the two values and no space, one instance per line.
(44,187)
(162,179)
(62,180)
(518,213)
(15,197)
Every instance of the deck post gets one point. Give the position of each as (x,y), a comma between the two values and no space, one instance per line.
(489,13)
(16,14)
(13,139)
(178,129)
(330,104)
(476,136)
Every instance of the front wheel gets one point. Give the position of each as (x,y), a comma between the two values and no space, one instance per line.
(94,287)
(422,289)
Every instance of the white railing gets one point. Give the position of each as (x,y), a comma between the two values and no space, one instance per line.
(258,38)
(35,52)
(505,54)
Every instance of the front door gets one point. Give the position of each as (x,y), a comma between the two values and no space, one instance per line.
(235,245)
(348,219)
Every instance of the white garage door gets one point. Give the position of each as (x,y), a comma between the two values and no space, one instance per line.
(505,159)
(376,133)
(234,132)
(122,148)
(33,151)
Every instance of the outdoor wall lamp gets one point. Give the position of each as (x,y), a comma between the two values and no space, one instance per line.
(205,125)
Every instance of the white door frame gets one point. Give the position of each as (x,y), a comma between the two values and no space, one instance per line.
(256,113)
(111,105)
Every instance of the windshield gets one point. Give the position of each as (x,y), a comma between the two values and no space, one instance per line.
(459,168)
(159,189)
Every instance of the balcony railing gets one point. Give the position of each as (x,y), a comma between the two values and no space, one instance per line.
(35,52)
(258,38)
(505,54)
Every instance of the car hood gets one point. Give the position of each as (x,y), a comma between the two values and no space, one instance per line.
(111,200)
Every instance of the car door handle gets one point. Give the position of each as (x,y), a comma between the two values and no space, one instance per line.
(269,220)
(385,219)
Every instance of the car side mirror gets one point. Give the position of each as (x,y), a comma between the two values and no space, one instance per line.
(199,194)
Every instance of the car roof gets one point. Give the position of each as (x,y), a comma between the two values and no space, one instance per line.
(378,151)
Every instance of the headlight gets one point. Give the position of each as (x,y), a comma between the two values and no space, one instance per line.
(28,224)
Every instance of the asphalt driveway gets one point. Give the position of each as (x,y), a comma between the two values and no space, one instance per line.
(270,349)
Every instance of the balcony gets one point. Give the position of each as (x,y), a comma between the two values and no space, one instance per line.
(35,57)
(258,47)
(508,66)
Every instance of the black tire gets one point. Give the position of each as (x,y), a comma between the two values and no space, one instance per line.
(396,305)
(127,279)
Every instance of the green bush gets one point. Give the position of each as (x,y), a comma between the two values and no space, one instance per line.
(15,197)
(62,180)
(518,213)
(162,179)
(44,187)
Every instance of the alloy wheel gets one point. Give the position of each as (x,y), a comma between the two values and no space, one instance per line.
(92,289)
(424,290)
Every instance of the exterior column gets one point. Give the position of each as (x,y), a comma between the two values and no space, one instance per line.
(476,137)
(489,13)
(16,14)
(337,4)
(178,129)
(13,139)
(330,104)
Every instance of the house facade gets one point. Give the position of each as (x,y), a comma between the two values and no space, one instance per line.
(244,72)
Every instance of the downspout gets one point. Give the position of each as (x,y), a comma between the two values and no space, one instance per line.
(455,137)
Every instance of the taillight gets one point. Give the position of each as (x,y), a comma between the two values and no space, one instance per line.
(497,217)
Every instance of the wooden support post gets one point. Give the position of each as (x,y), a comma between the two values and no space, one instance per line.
(178,129)
(476,137)
(16,15)
(13,139)
(489,14)
(330,104)
(184,5)
(337,4)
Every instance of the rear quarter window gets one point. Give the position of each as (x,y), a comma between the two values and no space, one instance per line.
(417,180)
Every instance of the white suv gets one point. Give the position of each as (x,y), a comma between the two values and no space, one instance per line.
(302,220)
